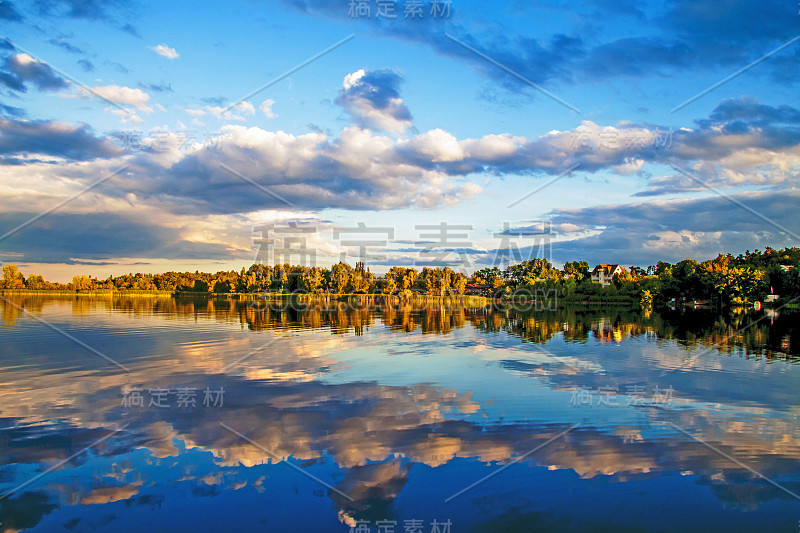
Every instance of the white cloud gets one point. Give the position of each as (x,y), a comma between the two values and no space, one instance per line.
(121,95)
(437,145)
(360,169)
(266,108)
(351,79)
(372,99)
(25,59)
(224,113)
(644,232)
(427,170)
(370,173)
(20,69)
(126,115)
(166,51)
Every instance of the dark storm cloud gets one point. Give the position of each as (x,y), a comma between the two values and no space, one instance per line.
(680,36)
(118,66)
(637,56)
(21,137)
(699,228)
(80,9)
(11,111)
(644,233)
(744,142)
(19,70)
(714,213)
(9,12)
(763,134)
(372,99)
(61,42)
(214,100)
(131,29)
(86,65)
(748,110)
(115,12)
(69,238)
(731,21)
(162,87)
(12,82)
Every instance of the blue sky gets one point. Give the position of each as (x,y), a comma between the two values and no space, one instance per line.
(409,122)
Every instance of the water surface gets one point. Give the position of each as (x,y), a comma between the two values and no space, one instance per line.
(213,416)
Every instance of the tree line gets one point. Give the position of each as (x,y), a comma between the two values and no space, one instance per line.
(340,278)
(724,280)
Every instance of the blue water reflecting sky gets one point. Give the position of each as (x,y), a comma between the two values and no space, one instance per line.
(597,419)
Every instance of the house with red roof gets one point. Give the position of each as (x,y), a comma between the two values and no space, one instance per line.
(604,273)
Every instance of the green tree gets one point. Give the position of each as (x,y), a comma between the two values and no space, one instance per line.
(81,283)
(443,280)
(12,277)
(340,275)
(577,270)
(459,283)
(280,279)
(222,286)
(429,279)
(359,282)
(35,282)
(744,285)
(646,300)
(622,278)
(410,276)
(313,279)
(389,284)
(492,276)
(686,275)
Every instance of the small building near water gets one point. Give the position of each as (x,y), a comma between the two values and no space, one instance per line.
(604,273)
(477,289)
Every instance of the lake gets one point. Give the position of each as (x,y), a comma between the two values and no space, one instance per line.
(170,414)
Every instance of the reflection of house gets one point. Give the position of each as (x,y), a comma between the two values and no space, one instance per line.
(605,331)
(604,273)
(478,289)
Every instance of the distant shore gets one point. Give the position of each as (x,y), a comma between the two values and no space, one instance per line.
(480,300)
(468,300)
